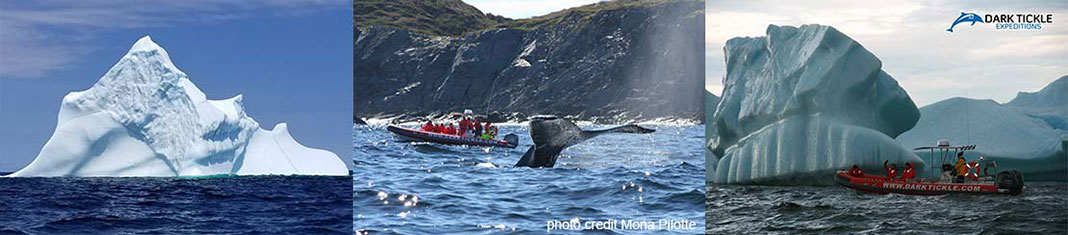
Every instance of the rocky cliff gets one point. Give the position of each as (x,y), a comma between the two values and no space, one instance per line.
(613,61)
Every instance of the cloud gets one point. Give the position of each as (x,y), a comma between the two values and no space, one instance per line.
(39,37)
(521,9)
(909,37)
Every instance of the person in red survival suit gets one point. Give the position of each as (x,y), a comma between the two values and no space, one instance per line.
(429,126)
(440,128)
(855,171)
(909,172)
(891,171)
(478,128)
(451,129)
(465,124)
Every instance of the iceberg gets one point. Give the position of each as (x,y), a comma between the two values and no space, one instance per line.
(803,102)
(1026,134)
(144,117)
(1050,104)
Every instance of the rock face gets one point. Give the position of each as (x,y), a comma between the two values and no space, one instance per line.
(144,117)
(803,102)
(711,101)
(638,62)
(1027,134)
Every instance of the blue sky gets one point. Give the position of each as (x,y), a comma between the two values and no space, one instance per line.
(910,38)
(292,61)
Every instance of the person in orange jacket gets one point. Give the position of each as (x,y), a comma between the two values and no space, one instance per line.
(451,129)
(961,167)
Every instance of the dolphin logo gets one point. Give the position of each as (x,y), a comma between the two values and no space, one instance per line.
(965,17)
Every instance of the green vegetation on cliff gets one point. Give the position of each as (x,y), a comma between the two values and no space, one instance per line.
(454,17)
(432,17)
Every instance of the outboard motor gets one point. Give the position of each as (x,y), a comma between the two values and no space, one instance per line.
(1011,180)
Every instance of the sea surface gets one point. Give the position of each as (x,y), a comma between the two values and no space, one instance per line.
(144,205)
(735,209)
(417,188)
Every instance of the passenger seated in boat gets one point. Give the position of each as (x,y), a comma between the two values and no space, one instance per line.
(440,128)
(909,172)
(855,171)
(891,171)
(478,129)
(961,168)
(429,126)
(987,166)
(489,132)
(451,129)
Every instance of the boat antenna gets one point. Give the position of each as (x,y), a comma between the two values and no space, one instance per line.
(967,119)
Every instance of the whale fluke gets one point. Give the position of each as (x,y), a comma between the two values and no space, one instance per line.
(551,135)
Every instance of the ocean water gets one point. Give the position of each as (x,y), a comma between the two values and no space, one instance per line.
(734,209)
(413,188)
(234,205)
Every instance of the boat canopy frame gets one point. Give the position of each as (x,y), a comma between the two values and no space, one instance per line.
(947,151)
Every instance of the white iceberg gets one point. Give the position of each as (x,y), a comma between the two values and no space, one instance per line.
(144,117)
(802,103)
(1026,134)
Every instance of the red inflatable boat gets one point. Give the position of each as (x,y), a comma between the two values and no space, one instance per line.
(408,134)
(975,182)
(881,185)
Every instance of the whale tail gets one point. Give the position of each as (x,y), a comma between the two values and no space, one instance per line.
(551,135)
(950,30)
(629,128)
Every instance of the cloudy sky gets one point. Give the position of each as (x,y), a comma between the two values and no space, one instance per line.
(910,38)
(521,9)
(291,59)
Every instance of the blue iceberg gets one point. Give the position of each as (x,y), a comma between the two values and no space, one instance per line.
(802,103)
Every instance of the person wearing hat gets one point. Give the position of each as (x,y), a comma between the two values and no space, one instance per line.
(961,167)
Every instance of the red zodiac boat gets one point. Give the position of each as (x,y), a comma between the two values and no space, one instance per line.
(976,181)
(408,134)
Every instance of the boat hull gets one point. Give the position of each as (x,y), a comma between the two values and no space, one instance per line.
(419,135)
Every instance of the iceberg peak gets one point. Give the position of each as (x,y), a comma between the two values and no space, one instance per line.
(146,45)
